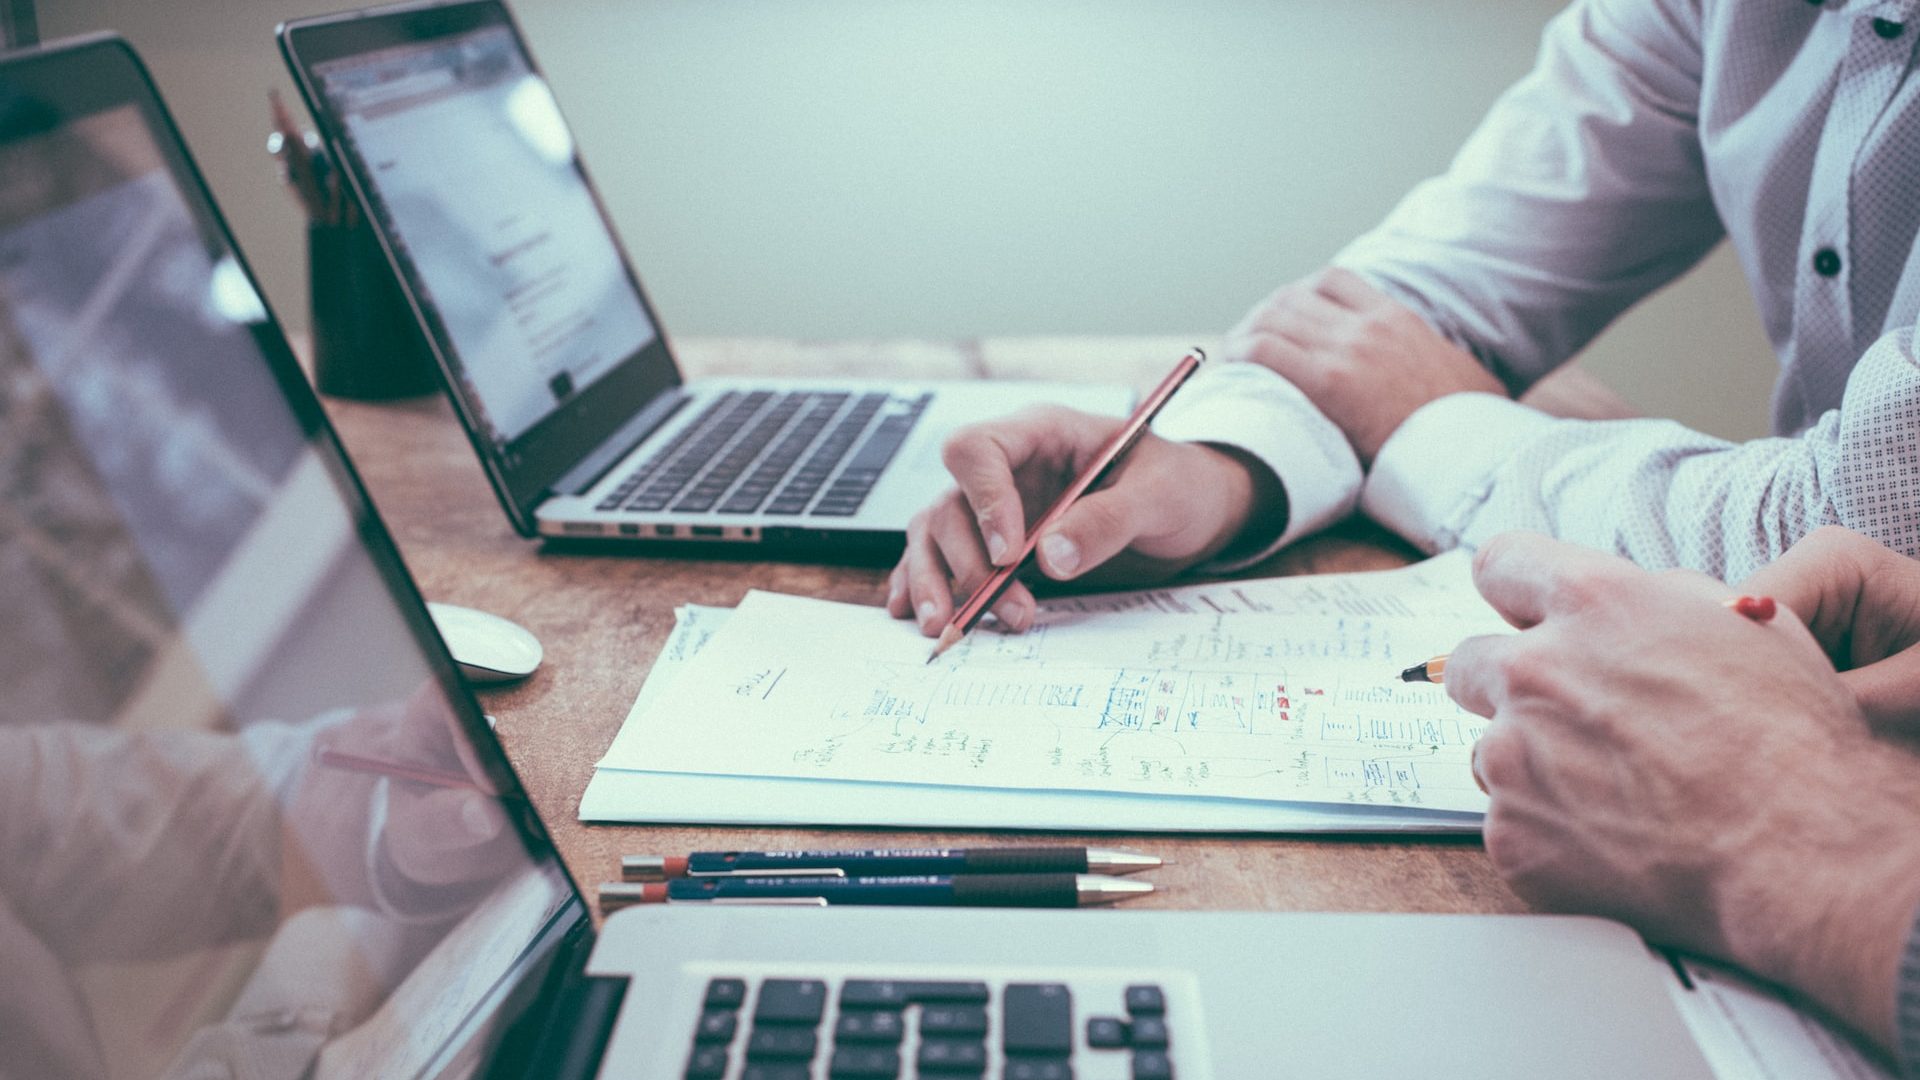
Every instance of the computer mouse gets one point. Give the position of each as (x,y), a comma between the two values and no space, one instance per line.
(487,648)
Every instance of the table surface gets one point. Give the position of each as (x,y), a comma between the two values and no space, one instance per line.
(604,618)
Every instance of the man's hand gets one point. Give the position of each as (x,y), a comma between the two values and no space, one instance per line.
(1656,758)
(1363,359)
(1862,601)
(1166,506)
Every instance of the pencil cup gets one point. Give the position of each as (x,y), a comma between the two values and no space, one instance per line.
(365,341)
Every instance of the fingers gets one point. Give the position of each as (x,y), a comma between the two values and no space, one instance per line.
(945,558)
(1526,576)
(1860,600)
(1476,673)
(982,459)
(1889,693)
(928,580)
(1348,289)
(1093,530)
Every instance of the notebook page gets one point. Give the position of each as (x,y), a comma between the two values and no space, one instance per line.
(1300,706)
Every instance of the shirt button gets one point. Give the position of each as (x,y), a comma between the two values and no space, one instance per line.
(1826,262)
(1888,29)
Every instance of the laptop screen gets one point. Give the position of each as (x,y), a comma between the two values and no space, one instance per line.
(249,823)
(471,174)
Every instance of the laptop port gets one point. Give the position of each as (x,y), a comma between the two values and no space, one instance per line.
(715,531)
(665,530)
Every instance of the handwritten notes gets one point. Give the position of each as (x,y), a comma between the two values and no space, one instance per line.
(1283,691)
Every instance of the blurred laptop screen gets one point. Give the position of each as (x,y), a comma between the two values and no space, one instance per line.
(245,828)
(477,183)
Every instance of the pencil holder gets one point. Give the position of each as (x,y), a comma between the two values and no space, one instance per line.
(366,343)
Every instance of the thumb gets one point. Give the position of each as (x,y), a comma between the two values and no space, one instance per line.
(1888,692)
(1093,530)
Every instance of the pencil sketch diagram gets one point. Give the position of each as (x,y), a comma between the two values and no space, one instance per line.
(1236,705)
(1316,731)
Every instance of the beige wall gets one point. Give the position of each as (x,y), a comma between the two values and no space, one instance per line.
(845,168)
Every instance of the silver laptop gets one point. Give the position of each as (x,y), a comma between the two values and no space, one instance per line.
(261,829)
(553,356)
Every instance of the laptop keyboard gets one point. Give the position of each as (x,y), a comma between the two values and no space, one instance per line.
(879,1029)
(765,452)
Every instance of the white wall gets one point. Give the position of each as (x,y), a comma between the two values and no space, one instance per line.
(866,168)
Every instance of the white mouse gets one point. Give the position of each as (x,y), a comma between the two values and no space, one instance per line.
(487,648)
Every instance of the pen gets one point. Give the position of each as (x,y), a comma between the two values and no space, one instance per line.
(924,890)
(886,861)
(1760,609)
(1116,447)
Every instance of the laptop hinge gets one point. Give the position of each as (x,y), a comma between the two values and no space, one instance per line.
(577,1038)
(577,480)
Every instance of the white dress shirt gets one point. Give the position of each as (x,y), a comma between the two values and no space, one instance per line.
(1647,131)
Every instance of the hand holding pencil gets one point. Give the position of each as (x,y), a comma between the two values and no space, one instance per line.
(1164,507)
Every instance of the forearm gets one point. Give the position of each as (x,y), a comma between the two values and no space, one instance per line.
(1830,908)
(1470,466)
(1581,191)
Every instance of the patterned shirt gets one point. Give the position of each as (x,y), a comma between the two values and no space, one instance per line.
(1648,131)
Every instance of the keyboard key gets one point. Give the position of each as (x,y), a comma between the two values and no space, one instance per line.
(1149,1033)
(1106,1032)
(782,1044)
(776,1070)
(891,994)
(707,1063)
(952,1055)
(1052,1069)
(791,1001)
(1145,999)
(1152,1065)
(864,1063)
(716,1026)
(726,993)
(869,1027)
(1037,1018)
(953,1020)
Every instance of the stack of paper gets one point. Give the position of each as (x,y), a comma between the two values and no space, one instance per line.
(1268,706)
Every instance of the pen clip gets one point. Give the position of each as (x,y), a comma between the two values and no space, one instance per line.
(823,871)
(779,901)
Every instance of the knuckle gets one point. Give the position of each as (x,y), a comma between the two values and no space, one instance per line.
(1500,759)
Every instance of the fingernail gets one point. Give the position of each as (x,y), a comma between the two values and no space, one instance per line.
(1063,556)
(928,609)
(996,547)
(893,595)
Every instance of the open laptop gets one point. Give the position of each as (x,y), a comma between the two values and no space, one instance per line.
(552,354)
(253,825)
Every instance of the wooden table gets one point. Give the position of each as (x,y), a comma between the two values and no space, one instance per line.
(604,618)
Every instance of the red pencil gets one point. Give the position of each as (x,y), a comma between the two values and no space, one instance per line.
(970,613)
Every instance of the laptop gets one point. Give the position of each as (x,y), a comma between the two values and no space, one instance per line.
(554,357)
(253,825)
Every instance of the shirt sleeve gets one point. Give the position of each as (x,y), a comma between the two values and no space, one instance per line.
(1583,190)
(1466,467)
(1258,412)
(1906,1008)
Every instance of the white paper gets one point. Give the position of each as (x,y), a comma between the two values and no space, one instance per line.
(623,795)
(1748,1031)
(1295,707)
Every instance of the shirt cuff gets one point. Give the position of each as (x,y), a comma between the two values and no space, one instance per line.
(1252,409)
(1438,466)
(1906,1007)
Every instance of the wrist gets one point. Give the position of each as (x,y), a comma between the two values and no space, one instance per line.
(1252,502)
(1829,907)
